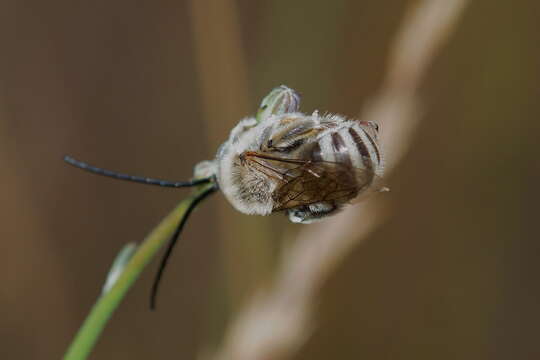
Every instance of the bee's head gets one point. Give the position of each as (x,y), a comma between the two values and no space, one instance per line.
(246,188)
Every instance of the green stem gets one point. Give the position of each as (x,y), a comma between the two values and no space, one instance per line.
(95,322)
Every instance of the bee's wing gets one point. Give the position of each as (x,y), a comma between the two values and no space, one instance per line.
(304,182)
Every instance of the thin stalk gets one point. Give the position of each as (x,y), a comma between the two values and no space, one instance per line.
(101,312)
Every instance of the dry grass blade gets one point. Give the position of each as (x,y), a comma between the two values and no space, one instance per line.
(277,321)
(224,93)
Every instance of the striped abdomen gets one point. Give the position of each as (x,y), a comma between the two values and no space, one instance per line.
(328,138)
(352,144)
(328,170)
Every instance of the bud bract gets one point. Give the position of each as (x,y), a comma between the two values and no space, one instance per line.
(281,100)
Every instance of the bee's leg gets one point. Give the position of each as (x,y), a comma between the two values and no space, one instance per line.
(307,214)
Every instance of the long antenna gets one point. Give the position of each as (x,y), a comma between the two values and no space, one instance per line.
(138,179)
(174,239)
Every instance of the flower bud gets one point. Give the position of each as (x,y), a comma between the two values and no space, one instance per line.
(281,100)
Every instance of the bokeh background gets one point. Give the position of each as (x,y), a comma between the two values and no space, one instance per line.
(153,87)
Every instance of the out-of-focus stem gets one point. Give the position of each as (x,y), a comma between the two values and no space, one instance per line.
(221,67)
(225,100)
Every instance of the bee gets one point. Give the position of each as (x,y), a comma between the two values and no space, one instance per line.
(308,166)
(282,160)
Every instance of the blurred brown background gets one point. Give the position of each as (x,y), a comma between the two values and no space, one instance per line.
(153,87)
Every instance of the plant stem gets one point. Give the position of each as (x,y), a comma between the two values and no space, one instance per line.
(95,322)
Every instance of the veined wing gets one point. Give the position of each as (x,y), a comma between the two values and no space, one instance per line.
(304,182)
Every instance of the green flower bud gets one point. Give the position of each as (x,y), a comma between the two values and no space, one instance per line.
(281,100)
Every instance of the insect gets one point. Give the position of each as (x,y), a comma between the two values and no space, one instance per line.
(281,160)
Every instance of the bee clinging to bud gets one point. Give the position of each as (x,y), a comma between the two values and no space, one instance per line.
(309,166)
(282,160)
